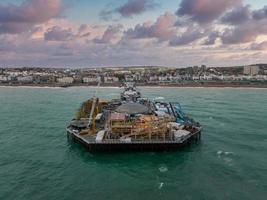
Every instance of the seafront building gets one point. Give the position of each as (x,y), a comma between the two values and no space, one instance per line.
(25,79)
(65,80)
(91,79)
(111,79)
(4,78)
(140,75)
(251,70)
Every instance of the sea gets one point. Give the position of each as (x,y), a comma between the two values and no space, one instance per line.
(37,161)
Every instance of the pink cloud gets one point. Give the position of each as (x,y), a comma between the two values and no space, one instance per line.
(110,34)
(205,11)
(259,46)
(17,19)
(162,29)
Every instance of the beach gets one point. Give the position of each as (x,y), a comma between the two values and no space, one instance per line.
(187,85)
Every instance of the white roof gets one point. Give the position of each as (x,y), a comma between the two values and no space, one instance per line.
(181,133)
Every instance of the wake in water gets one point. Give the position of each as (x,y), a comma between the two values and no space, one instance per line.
(161,185)
(226,156)
(163,169)
(219,153)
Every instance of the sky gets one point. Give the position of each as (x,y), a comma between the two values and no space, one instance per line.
(104,33)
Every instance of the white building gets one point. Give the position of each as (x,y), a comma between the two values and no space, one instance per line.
(3,78)
(163,78)
(196,78)
(261,77)
(92,79)
(153,78)
(137,76)
(25,79)
(177,78)
(206,77)
(251,70)
(65,80)
(111,79)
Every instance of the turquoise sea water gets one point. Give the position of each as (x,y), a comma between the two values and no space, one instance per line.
(38,162)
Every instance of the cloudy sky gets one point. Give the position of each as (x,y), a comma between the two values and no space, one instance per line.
(178,33)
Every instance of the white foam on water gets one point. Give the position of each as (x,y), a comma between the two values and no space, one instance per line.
(228,161)
(161,185)
(224,155)
(163,169)
(228,153)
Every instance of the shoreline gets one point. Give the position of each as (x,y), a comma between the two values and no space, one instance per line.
(188,86)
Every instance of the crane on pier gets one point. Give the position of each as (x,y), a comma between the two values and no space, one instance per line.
(94,103)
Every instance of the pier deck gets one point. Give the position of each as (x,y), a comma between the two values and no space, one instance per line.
(137,145)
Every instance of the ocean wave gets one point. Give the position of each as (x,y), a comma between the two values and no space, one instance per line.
(163,169)
(161,185)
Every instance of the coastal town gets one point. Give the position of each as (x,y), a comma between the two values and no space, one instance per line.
(196,76)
